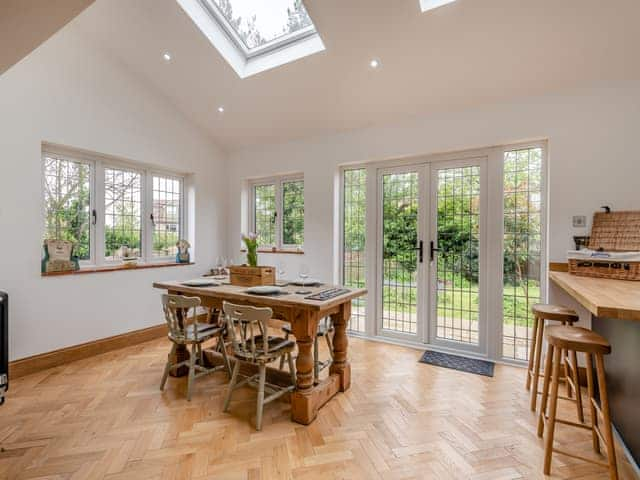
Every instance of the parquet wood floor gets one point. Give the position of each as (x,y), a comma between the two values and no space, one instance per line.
(105,418)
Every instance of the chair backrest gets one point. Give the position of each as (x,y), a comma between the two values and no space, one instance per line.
(177,310)
(244,324)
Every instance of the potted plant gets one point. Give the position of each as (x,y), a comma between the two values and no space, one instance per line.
(251,242)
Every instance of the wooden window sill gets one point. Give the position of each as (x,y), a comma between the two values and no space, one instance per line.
(116,268)
(278,250)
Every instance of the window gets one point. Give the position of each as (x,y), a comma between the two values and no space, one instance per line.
(255,35)
(67,203)
(167,215)
(122,211)
(354,213)
(522,248)
(133,207)
(265,214)
(293,213)
(278,212)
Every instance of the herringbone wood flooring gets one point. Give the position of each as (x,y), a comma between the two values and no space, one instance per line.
(106,418)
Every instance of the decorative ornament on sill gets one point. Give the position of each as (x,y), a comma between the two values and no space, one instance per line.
(58,257)
(129,256)
(251,241)
(183,255)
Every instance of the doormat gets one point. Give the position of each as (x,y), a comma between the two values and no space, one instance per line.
(455,362)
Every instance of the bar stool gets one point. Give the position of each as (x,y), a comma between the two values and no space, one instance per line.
(565,316)
(577,339)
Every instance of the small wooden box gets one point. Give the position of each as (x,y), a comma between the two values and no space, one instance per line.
(245,276)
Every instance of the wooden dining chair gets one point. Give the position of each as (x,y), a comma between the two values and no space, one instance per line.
(180,313)
(248,329)
(326,331)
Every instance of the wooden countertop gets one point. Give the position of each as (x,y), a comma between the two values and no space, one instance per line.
(602,297)
(234,292)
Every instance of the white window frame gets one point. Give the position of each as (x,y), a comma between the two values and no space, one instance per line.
(98,163)
(149,201)
(277,182)
(246,62)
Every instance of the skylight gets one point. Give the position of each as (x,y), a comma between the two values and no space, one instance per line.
(431,4)
(259,23)
(256,35)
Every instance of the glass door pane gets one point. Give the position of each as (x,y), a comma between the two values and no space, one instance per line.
(400,273)
(456,218)
(522,248)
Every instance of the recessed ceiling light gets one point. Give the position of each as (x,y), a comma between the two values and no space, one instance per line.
(220,109)
(374,63)
(166,56)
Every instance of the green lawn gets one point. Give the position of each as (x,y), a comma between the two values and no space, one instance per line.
(461,300)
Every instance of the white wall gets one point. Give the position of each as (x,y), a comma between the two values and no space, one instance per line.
(593,160)
(68,92)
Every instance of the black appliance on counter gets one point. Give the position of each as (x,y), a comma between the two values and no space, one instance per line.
(4,345)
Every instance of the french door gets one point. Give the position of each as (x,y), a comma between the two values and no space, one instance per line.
(402,226)
(431,253)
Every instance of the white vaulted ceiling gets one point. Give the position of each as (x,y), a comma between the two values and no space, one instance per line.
(467,53)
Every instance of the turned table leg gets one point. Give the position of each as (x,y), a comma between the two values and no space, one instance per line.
(303,405)
(340,365)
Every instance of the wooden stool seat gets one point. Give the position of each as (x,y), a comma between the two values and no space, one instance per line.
(578,339)
(555,312)
(563,338)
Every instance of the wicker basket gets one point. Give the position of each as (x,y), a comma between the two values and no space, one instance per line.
(605,269)
(611,232)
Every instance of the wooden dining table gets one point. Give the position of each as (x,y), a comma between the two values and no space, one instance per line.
(303,314)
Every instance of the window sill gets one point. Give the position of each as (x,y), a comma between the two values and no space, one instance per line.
(115,268)
(278,250)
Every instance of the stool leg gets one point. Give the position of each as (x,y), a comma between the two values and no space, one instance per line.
(532,350)
(592,408)
(565,356)
(606,419)
(539,340)
(544,400)
(548,441)
(576,382)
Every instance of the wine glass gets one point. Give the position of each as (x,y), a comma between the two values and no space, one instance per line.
(303,273)
(281,271)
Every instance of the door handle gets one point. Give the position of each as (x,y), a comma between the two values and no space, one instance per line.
(433,249)
(420,250)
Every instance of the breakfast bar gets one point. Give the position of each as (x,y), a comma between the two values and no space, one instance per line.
(615,312)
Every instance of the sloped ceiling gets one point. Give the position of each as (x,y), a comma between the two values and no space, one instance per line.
(468,53)
(25,24)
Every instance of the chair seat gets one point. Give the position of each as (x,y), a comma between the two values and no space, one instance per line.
(578,339)
(322,330)
(277,346)
(205,332)
(286,328)
(555,312)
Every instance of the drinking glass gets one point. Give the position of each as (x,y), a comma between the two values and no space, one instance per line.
(303,273)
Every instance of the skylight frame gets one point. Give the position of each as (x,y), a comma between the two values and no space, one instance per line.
(244,61)
(275,44)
